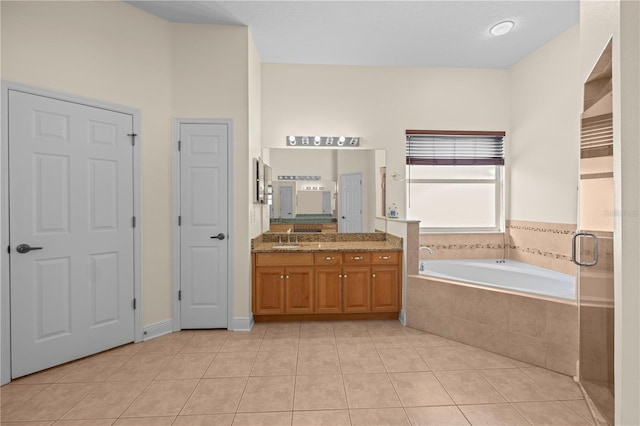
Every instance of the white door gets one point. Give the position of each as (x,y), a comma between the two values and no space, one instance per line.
(71,201)
(350,202)
(326,202)
(203,225)
(286,202)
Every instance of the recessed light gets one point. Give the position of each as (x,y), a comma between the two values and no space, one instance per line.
(501,28)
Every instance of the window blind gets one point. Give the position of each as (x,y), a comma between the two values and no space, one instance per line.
(450,148)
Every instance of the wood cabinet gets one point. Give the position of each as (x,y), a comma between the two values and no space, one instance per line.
(315,285)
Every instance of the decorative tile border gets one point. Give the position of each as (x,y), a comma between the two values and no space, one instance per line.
(539,252)
(465,246)
(552,230)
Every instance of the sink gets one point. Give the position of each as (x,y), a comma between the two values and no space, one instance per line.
(286,247)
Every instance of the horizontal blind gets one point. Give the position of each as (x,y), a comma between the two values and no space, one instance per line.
(447,148)
(596,136)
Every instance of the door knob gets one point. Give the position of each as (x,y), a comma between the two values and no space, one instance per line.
(26,248)
(220,236)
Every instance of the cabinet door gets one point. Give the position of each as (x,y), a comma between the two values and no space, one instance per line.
(269,291)
(384,287)
(328,297)
(356,284)
(299,290)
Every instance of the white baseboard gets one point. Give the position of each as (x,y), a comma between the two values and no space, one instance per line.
(241,323)
(158,329)
(403,317)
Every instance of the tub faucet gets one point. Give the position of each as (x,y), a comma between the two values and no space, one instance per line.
(426,248)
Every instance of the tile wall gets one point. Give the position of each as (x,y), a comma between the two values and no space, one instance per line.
(543,244)
(536,331)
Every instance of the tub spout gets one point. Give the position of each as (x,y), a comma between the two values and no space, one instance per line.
(426,248)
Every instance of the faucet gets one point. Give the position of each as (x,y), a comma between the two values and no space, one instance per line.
(426,248)
(289,236)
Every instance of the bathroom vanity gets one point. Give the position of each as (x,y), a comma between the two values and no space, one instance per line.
(326,277)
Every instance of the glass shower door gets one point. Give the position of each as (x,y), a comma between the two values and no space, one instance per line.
(593,244)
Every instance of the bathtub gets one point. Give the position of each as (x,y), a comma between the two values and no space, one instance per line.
(513,309)
(511,276)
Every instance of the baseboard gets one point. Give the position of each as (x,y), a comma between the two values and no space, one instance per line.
(403,317)
(241,323)
(158,329)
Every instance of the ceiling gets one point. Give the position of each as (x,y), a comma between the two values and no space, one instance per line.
(448,33)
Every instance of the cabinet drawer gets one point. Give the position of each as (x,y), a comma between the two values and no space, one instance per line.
(385,257)
(357,258)
(284,259)
(327,259)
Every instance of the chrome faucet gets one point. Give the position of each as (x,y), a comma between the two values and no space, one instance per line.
(289,236)
(426,248)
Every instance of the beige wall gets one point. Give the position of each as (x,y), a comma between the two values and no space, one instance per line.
(211,79)
(379,104)
(543,144)
(96,49)
(113,52)
(600,20)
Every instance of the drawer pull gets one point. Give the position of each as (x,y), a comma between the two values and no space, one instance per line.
(356,258)
(329,258)
(385,257)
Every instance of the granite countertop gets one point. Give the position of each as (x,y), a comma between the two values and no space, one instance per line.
(312,246)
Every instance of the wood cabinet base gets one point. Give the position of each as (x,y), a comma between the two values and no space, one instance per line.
(327,317)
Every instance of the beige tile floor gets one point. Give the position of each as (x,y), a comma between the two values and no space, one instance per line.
(309,373)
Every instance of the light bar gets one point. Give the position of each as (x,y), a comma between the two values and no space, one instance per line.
(331,141)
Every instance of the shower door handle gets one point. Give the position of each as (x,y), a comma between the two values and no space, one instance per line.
(574,243)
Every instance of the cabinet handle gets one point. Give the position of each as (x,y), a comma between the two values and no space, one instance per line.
(329,258)
(345,275)
(287,276)
(356,257)
(281,276)
(374,275)
(339,275)
(385,257)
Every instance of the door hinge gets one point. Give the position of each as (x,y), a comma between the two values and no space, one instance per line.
(8,249)
(179,294)
(133,138)
(133,221)
(179,145)
(179,220)
(134,303)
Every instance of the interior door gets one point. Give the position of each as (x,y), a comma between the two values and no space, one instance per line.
(286,201)
(350,202)
(203,225)
(71,231)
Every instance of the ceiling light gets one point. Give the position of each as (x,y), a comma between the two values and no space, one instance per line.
(501,28)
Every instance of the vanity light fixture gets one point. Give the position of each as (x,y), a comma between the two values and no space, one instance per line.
(342,141)
(292,177)
(501,28)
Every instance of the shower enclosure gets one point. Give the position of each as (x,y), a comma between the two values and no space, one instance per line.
(593,244)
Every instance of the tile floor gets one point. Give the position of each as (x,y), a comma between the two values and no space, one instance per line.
(309,373)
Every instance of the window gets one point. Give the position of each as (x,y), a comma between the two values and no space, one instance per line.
(455,180)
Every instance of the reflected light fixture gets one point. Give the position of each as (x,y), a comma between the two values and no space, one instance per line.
(501,28)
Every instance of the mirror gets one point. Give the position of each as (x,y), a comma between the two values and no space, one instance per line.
(325,190)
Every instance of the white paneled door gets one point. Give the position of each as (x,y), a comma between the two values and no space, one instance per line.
(71,231)
(350,207)
(203,225)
